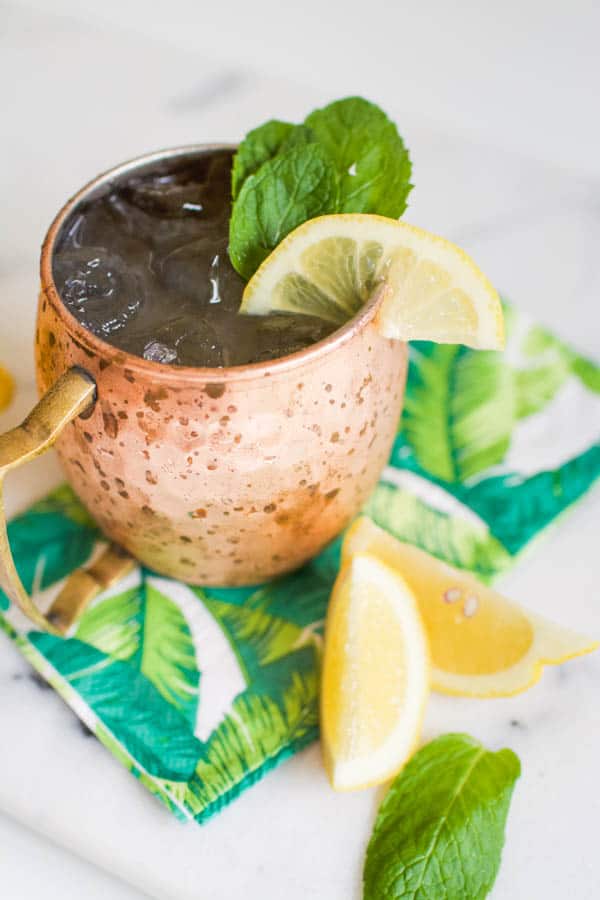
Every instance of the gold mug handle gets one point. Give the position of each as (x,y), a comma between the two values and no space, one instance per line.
(71,396)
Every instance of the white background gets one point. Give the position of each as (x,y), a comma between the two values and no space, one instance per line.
(523,74)
(498,104)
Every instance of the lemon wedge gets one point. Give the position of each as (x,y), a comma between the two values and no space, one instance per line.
(332,265)
(375,679)
(482,645)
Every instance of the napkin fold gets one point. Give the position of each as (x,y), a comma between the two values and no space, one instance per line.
(200,691)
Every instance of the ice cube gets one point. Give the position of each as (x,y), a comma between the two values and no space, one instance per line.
(193,341)
(72,234)
(162,234)
(160,353)
(99,288)
(193,189)
(188,269)
(95,226)
(199,345)
(230,285)
(165,197)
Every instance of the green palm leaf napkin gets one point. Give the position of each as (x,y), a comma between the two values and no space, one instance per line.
(199,692)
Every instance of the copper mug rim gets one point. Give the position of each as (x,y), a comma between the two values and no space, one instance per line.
(159,371)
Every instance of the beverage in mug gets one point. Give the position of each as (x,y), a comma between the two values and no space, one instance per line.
(144,265)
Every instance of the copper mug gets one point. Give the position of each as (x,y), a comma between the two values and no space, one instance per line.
(226,476)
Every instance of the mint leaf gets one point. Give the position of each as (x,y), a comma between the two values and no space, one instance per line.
(258,147)
(285,192)
(352,150)
(372,162)
(440,830)
(261,145)
(299,135)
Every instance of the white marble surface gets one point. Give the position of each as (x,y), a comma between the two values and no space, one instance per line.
(535,229)
(31,866)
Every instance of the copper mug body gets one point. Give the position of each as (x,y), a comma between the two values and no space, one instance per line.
(227,476)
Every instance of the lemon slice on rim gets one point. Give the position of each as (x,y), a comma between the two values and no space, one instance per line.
(375,679)
(7,388)
(482,645)
(330,267)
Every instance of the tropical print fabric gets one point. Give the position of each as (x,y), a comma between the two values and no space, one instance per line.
(198,692)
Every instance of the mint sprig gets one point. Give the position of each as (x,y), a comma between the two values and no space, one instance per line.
(440,830)
(346,157)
